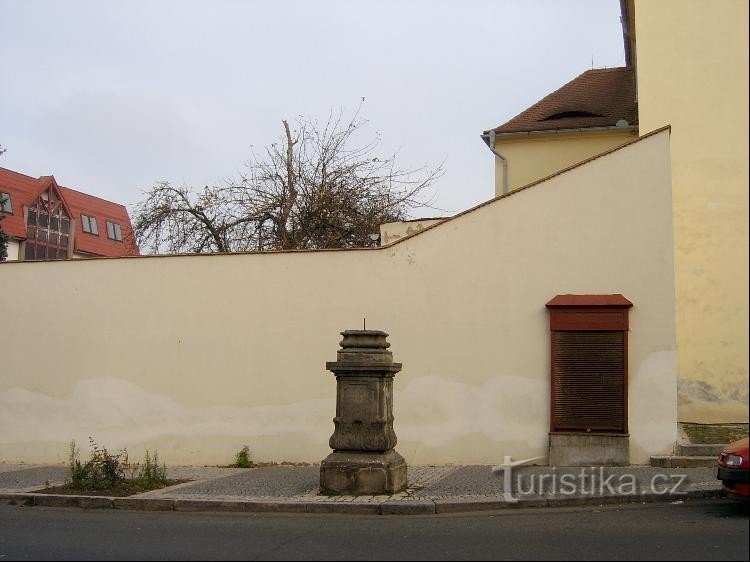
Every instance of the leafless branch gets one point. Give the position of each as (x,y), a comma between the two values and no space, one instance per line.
(313,188)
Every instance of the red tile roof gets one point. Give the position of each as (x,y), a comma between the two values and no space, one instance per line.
(589,300)
(24,189)
(596,98)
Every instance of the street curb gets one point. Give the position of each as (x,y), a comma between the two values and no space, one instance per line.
(408,507)
(424,506)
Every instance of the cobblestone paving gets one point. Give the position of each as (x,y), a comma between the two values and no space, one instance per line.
(26,478)
(9,467)
(481,481)
(200,472)
(300,483)
(270,482)
(421,477)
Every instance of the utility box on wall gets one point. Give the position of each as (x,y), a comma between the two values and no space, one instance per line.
(589,380)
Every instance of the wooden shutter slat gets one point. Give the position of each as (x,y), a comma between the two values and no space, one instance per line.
(589,374)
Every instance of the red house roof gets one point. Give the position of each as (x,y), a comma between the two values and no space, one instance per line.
(24,190)
(597,98)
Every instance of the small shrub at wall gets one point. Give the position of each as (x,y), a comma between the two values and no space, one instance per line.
(103,471)
(242,458)
(111,474)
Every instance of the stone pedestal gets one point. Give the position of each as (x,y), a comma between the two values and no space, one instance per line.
(363,461)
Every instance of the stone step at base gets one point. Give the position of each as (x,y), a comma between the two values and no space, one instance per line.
(673,461)
(700,450)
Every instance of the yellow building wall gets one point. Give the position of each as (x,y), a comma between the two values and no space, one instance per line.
(196,356)
(692,68)
(535,156)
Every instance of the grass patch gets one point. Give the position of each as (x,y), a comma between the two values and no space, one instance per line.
(718,433)
(119,490)
(111,474)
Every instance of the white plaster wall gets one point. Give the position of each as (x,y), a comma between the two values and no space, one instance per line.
(199,355)
(392,231)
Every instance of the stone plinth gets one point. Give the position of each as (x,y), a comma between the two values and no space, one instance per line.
(354,473)
(589,449)
(363,461)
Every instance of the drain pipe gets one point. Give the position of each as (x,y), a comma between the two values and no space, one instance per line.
(490,141)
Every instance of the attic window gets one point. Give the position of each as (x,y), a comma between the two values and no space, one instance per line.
(88,224)
(5,206)
(571,115)
(113,231)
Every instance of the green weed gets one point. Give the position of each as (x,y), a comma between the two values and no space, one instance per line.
(242,458)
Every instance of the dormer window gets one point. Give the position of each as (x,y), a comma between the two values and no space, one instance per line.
(88,224)
(5,205)
(113,231)
(571,115)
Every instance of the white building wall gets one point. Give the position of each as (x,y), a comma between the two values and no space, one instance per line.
(196,356)
(13,249)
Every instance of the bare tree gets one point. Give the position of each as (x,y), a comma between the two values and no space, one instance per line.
(4,238)
(311,189)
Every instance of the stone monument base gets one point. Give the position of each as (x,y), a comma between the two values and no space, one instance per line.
(356,473)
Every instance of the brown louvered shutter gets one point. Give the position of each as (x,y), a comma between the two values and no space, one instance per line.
(589,363)
(589,375)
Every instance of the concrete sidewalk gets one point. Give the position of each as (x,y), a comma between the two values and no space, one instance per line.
(432,489)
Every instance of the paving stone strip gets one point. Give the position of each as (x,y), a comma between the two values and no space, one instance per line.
(432,489)
(22,478)
(267,482)
(481,481)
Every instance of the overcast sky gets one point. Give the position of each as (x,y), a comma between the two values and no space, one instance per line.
(110,97)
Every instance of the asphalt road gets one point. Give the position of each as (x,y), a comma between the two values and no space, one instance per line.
(699,530)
